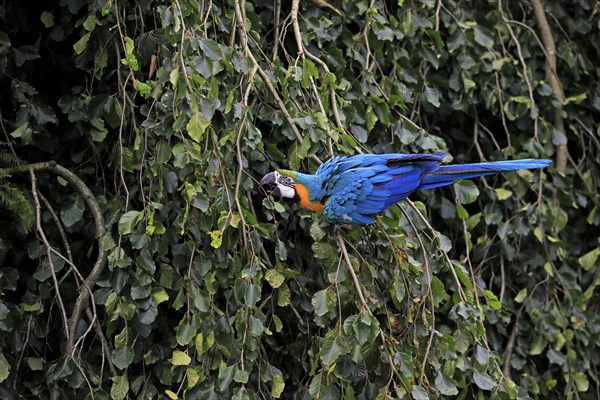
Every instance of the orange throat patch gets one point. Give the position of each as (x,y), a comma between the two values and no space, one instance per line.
(304,197)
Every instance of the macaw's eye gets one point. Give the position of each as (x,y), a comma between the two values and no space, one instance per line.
(286,180)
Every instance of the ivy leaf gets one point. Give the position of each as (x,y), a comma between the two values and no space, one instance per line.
(241,376)
(197,126)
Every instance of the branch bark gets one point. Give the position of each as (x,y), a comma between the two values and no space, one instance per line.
(552,78)
(89,198)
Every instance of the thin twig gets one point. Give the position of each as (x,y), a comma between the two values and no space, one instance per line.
(40,230)
(351,270)
(263,75)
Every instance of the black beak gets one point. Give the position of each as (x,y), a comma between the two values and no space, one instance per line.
(269,184)
(268,179)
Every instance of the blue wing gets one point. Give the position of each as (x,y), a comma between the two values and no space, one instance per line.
(356,188)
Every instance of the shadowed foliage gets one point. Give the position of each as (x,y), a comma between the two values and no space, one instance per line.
(140,259)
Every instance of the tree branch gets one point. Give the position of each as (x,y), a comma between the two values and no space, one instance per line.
(552,78)
(89,198)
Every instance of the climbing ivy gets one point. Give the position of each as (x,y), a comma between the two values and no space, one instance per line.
(140,259)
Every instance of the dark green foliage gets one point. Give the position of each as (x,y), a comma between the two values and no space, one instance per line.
(170,112)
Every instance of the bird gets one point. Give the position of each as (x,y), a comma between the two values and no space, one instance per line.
(352,190)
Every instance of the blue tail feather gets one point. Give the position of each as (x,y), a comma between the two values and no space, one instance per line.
(447,174)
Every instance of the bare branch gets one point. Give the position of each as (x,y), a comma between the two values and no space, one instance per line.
(89,198)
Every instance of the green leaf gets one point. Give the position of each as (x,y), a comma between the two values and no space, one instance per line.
(556,357)
(172,395)
(277,386)
(316,232)
(581,381)
(180,358)
(323,250)
(159,295)
(445,385)
(71,214)
(444,243)
(482,355)
(521,295)
(278,323)
(241,376)
(538,345)
(275,278)
(483,380)
(323,301)
(461,212)
(492,300)
(575,99)
(21,130)
(588,260)
(4,368)
(466,191)
(419,393)
(47,19)
(283,296)
(119,388)
(482,37)
(251,295)
(128,221)
(211,49)
(185,334)
(216,238)
(502,193)
(197,126)
(81,44)
(432,95)
(330,350)
(123,357)
(34,363)
(225,377)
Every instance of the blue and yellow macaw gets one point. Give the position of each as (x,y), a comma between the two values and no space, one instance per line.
(353,189)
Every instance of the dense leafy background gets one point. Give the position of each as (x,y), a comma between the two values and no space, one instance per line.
(169,112)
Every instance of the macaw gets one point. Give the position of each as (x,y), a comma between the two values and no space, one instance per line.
(353,189)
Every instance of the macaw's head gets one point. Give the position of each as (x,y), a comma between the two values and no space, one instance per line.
(280,185)
(291,185)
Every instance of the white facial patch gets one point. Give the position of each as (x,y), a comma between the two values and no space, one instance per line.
(286,191)
(285,184)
